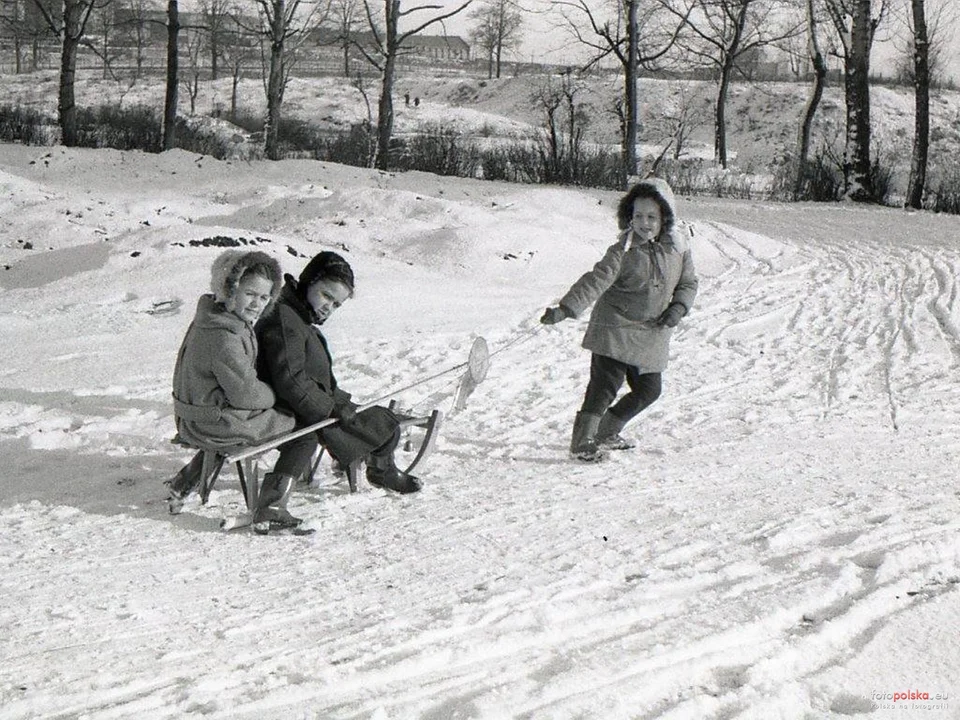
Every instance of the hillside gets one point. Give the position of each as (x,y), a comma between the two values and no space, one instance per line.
(763,119)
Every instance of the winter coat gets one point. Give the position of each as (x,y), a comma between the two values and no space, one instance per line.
(632,285)
(296,361)
(218,400)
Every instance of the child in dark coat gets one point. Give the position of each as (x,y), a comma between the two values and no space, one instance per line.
(296,361)
(643,286)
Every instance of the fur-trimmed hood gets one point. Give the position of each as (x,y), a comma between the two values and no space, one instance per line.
(230,266)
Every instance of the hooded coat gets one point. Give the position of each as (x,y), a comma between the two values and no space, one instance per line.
(632,285)
(218,400)
(296,361)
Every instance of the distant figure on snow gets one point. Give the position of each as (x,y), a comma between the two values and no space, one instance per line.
(295,360)
(643,286)
(218,400)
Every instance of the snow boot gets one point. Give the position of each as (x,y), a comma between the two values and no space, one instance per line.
(608,433)
(382,472)
(271,512)
(184,483)
(583,443)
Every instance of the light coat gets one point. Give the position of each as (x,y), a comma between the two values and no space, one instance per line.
(218,400)
(632,285)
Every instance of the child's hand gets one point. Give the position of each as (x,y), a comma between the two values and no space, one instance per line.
(553,315)
(672,316)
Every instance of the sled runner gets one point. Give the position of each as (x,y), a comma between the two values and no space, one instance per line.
(430,425)
(245,461)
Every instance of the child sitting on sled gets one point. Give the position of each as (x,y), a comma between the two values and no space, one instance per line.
(218,400)
(643,286)
(296,361)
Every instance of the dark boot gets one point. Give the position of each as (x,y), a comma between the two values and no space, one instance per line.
(583,442)
(184,483)
(271,509)
(383,472)
(608,433)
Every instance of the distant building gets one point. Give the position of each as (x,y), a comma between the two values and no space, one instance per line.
(439,47)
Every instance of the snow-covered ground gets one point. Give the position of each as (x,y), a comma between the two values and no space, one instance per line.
(782,544)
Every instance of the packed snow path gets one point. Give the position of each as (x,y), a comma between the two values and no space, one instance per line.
(782,544)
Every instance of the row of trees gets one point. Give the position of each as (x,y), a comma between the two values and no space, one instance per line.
(721,34)
(724,35)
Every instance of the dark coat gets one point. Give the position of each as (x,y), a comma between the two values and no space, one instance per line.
(218,400)
(295,360)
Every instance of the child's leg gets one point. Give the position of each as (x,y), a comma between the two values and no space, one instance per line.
(295,456)
(606,377)
(645,388)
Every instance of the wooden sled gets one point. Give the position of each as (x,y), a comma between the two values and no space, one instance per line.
(246,464)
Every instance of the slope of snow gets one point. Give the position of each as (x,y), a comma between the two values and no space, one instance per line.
(782,544)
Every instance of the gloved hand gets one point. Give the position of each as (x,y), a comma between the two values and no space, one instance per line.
(553,315)
(346,414)
(672,316)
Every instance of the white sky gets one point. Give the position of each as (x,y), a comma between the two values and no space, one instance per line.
(545,41)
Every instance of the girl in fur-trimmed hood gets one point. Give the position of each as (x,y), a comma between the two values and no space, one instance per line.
(219,402)
(643,286)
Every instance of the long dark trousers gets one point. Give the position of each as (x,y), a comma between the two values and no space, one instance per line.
(606,378)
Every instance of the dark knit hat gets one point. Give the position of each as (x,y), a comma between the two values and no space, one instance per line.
(326,266)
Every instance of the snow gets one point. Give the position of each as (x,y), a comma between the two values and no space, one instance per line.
(782,544)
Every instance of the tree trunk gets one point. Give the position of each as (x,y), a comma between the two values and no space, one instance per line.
(630,125)
(858,176)
(921,137)
(813,103)
(274,100)
(720,118)
(214,55)
(173,76)
(385,106)
(66,100)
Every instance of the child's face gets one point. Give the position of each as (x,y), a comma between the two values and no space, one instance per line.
(647,220)
(250,298)
(325,296)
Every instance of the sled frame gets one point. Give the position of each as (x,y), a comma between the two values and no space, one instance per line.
(429,423)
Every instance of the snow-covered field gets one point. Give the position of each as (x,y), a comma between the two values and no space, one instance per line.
(783,543)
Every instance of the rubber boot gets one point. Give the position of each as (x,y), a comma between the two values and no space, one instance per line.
(608,433)
(184,483)
(382,472)
(271,509)
(583,443)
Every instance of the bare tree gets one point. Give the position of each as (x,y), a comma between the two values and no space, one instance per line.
(69,27)
(195,47)
(940,19)
(173,73)
(921,86)
(726,32)
(856,22)
(217,18)
(26,27)
(681,116)
(134,21)
(344,16)
(387,44)
(284,26)
(496,29)
(637,37)
(819,64)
